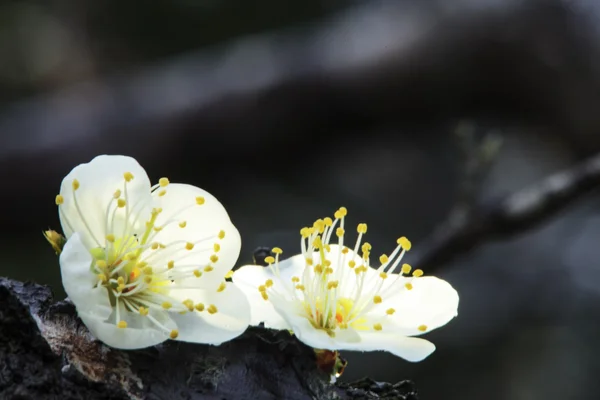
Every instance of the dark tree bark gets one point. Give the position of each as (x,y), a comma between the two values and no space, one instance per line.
(47,353)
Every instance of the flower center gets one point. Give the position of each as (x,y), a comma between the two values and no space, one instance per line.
(342,288)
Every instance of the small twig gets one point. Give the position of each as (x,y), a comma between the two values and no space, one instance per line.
(515,213)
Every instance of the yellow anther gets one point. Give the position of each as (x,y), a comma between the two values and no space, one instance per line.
(339,232)
(269,260)
(102,278)
(155,212)
(122,324)
(408,286)
(212,309)
(148,270)
(328,221)
(117,194)
(319,225)
(59,200)
(101,264)
(189,304)
(377,327)
(229,274)
(404,243)
(75,184)
(361,228)
(189,246)
(295,279)
(128,176)
(317,242)
(197,273)
(171,264)
(383,258)
(327,263)
(174,333)
(352,263)
(383,275)
(121,203)
(221,234)
(406,269)
(120,288)
(262,288)
(214,258)
(304,232)
(345,250)
(300,287)
(141,264)
(208,268)
(332,285)
(390,311)
(182,224)
(148,279)
(417,273)
(120,280)
(309,261)
(343,325)
(199,307)
(216,247)
(269,283)
(329,270)
(143,311)
(366,246)
(276,250)
(341,212)
(200,200)
(318,269)
(162,246)
(264,295)
(422,328)
(162,192)
(154,246)
(131,256)
(163,182)
(158,228)
(377,299)
(221,287)
(166,305)
(327,248)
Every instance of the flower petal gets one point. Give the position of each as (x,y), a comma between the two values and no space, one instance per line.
(202,226)
(127,338)
(77,278)
(230,320)
(248,278)
(432,302)
(98,181)
(410,348)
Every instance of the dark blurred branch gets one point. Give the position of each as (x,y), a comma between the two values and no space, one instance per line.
(515,213)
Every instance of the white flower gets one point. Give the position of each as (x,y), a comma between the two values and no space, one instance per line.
(331,298)
(144,263)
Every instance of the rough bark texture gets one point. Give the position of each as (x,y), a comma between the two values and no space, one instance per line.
(47,353)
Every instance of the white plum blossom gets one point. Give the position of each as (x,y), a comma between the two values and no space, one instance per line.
(145,263)
(333,298)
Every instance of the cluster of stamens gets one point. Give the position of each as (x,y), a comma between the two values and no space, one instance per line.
(339,293)
(131,264)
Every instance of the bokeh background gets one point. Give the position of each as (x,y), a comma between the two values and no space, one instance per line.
(401,111)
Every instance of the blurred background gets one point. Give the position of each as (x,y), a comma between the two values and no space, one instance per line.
(409,113)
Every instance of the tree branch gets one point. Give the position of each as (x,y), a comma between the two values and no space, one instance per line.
(47,353)
(515,213)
